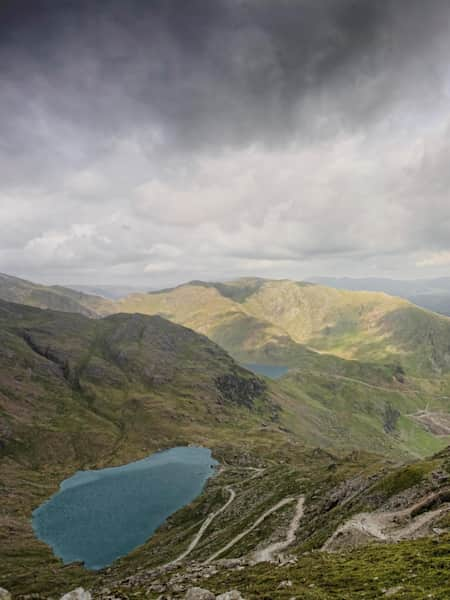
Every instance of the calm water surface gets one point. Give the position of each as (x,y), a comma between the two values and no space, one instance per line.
(272,371)
(98,516)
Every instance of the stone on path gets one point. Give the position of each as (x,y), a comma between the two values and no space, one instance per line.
(196,593)
(77,594)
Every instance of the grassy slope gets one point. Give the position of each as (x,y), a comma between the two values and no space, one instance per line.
(77,393)
(82,393)
(274,320)
(417,569)
(278,322)
(334,491)
(377,359)
(351,413)
(13,289)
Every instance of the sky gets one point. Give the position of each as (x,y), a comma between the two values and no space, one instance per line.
(151,142)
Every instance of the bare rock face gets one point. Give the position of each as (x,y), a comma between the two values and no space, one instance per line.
(77,594)
(240,390)
(5,595)
(196,593)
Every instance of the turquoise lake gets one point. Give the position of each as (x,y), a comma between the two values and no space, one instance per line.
(99,516)
(272,371)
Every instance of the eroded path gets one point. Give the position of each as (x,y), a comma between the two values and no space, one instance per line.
(206,523)
(390,526)
(210,518)
(269,553)
(241,535)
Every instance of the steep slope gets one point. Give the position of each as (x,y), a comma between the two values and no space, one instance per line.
(13,289)
(277,321)
(367,370)
(208,310)
(282,320)
(432,294)
(85,393)
(332,529)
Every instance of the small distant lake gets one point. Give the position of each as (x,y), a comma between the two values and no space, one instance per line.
(272,371)
(99,516)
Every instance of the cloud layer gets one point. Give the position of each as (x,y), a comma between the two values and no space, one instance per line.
(154,142)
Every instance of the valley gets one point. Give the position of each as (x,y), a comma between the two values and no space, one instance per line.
(351,420)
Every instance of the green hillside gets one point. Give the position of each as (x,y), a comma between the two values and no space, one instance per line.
(391,397)
(79,393)
(13,289)
(368,370)
(279,321)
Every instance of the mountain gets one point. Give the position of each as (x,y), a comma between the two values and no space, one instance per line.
(13,289)
(367,370)
(278,322)
(432,294)
(282,321)
(79,393)
(362,530)
(111,292)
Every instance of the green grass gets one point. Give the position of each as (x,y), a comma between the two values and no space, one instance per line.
(418,569)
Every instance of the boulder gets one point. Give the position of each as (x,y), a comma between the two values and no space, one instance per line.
(233,595)
(77,594)
(4,594)
(196,593)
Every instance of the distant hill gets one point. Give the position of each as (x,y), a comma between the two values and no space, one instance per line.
(111,292)
(433,294)
(13,289)
(283,321)
(82,393)
(275,321)
(79,393)
(364,366)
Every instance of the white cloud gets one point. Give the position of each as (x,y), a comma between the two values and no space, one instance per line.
(162,267)
(436,259)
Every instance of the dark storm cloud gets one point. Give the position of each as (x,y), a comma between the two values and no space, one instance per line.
(220,136)
(193,73)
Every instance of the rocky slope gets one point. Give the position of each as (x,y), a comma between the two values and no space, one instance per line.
(375,404)
(277,321)
(84,393)
(281,321)
(329,549)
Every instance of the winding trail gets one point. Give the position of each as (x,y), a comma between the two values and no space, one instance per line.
(267,554)
(206,523)
(210,518)
(389,526)
(241,535)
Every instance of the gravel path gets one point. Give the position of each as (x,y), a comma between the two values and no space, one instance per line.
(258,521)
(205,526)
(267,554)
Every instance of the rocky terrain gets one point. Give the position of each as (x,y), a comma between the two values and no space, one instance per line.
(321,487)
(320,546)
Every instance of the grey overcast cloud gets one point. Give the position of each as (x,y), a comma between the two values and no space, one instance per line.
(153,142)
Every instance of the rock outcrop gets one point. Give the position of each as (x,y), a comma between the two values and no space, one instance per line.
(77,594)
(197,593)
